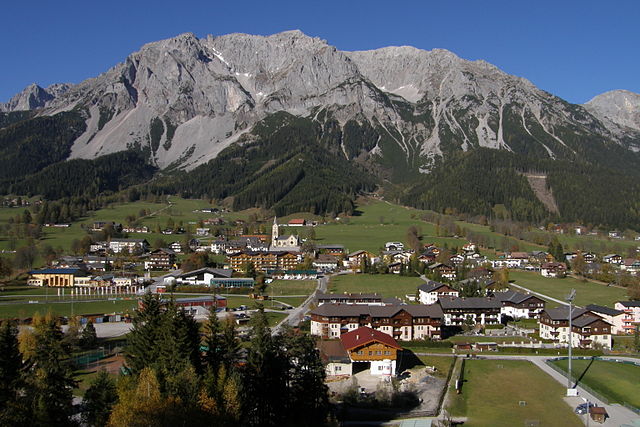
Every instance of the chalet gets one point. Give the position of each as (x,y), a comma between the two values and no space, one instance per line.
(397,256)
(265,261)
(580,230)
(202,276)
(480,273)
(379,350)
(512,260)
(326,262)
(631,319)
(335,250)
(355,299)
(612,259)
(403,322)
(444,270)
(631,266)
(160,259)
(355,259)
(394,246)
(457,259)
(98,247)
(101,225)
(213,221)
(56,277)
(517,305)
(589,257)
(470,311)
(176,247)
(470,248)
(143,229)
(615,234)
(553,269)
(297,222)
(430,292)
(202,231)
(131,245)
(587,328)
(611,315)
(395,267)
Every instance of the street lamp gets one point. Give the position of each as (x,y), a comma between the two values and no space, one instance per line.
(588,409)
(569,299)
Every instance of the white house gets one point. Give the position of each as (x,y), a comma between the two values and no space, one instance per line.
(611,315)
(430,292)
(631,318)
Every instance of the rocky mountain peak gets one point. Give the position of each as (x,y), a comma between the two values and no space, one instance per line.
(622,107)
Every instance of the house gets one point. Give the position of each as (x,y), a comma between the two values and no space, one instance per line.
(131,245)
(457,259)
(553,269)
(297,222)
(264,261)
(512,260)
(587,331)
(470,248)
(202,276)
(403,322)
(202,231)
(98,247)
(335,358)
(160,259)
(335,250)
(192,304)
(615,234)
(379,350)
(444,270)
(580,230)
(357,299)
(394,246)
(471,311)
(518,305)
(430,292)
(612,259)
(101,225)
(131,229)
(611,315)
(56,277)
(395,267)
(326,262)
(176,247)
(631,266)
(396,256)
(631,319)
(355,259)
(589,257)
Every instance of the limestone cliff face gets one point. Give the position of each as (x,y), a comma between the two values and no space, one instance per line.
(185,99)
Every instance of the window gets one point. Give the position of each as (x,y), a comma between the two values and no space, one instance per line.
(378,352)
(387,353)
(380,368)
(361,353)
(371,353)
(338,368)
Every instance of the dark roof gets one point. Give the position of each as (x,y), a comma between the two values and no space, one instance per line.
(351,310)
(583,321)
(474,302)
(350,296)
(219,272)
(562,313)
(128,240)
(604,310)
(330,246)
(364,335)
(630,303)
(512,296)
(431,286)
(75,271)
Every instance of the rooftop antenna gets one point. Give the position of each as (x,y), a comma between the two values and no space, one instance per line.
(569,299)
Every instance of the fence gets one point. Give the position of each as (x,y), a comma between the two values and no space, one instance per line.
(588,389)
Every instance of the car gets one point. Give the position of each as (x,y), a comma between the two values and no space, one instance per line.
(581,409)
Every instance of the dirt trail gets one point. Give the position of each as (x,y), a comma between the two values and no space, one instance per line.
(538,184)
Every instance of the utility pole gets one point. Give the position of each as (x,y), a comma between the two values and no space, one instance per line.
(570,298)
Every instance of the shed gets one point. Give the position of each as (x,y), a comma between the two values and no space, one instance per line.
(598,414)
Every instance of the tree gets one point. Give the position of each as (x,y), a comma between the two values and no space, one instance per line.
(5,267)
(10,363)
(99,399)
(89,338)
(25,257)
(501,277)
(578,264)
(139,402)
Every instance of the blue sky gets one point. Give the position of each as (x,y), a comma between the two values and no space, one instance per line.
(574,49)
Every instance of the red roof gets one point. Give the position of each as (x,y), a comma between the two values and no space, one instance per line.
(364,335)
(297,221)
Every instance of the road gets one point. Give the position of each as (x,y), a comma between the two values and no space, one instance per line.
(618,414)
(295,316)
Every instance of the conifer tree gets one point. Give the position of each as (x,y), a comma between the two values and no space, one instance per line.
(89,338)
(98,400)
(10,363)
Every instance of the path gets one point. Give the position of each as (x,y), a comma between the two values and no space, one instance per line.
(296,315)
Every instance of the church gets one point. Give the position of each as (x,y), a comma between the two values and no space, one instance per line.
(283,243)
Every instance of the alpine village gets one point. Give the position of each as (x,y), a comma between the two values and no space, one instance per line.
(198,237)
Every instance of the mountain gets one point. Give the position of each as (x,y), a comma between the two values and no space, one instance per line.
(193,107)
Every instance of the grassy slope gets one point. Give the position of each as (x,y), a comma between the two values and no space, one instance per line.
(618,382)
(493,389)
(586,292)
(387,285)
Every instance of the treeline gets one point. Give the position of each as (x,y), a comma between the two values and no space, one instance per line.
(86,178)
(291,166)
(178,375)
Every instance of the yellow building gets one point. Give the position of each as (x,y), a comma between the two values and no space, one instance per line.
(56,277)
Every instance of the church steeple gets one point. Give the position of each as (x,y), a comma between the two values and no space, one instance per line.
(274,231)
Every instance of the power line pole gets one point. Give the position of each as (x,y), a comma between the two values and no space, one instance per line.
(570,299)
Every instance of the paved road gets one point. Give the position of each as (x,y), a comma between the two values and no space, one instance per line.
(295,316)
(618,414)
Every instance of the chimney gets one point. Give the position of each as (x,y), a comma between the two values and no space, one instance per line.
(357,337)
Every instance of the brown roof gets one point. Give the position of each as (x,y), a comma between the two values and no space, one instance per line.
(332,351)
(297,221)
(364,335)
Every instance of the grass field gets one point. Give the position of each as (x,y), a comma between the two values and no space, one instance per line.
(493,390)
(387,285)
(67,309)
(586,292)
(618,382)
(443,364)
(290,287)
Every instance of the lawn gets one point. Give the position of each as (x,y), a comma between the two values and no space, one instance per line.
(443,364)
(387,285)
(290,287)
(586,292)
(494,389)
(67,308)
(618,382)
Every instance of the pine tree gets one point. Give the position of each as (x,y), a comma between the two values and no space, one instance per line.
(229,343)
(99,399)
(142,343)
(89,338)
(10,363)
(212,341)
